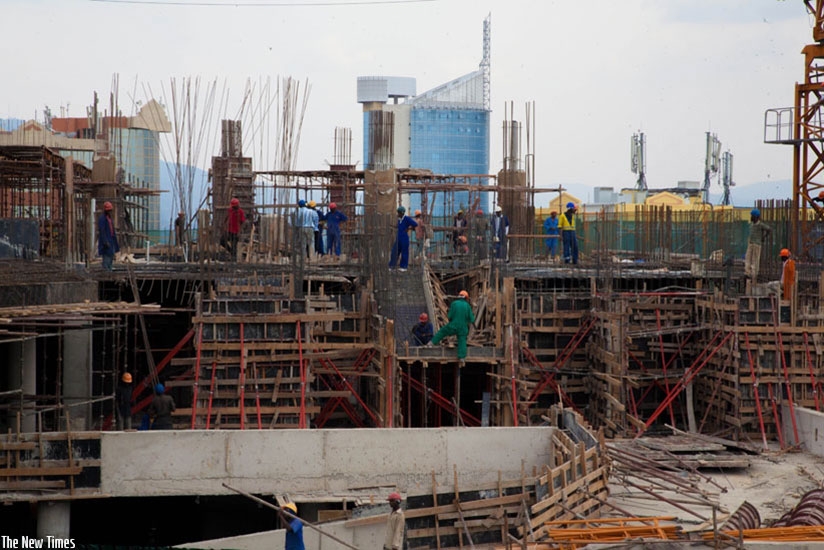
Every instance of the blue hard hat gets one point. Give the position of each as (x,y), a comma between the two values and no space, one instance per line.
(159,389)
(755,212)
(570,205)
(301,202)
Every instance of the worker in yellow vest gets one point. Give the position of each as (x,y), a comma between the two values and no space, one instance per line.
(568,236)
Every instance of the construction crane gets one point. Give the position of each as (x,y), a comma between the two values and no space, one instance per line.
(802,126)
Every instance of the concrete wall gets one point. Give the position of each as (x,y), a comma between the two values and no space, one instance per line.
(368,463)
(810,424)
(364,536)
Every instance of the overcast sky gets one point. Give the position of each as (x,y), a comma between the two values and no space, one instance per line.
(598,71)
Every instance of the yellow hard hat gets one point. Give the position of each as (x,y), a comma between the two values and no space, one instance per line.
(291,506)
(312,204)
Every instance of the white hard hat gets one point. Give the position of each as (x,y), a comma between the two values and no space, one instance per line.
(498,208)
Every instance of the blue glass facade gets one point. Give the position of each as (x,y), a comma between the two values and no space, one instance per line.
(449,141)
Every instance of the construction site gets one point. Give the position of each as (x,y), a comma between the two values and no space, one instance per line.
(638,374)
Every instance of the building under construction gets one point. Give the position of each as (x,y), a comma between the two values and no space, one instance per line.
(296,378)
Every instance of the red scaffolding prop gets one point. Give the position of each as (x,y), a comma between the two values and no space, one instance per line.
(302,419)
(755,391)
(146,382)
(784,368)
(197,374)
(211,396)
(361,362)
(442,402)
(694,369)
(242,381)
(812,374)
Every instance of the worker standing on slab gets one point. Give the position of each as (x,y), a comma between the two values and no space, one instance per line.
(123,400)
(784,287)
(400,248)
(395,524)
(107,245)
(568,235)
(480,228)
(459,229)
(551,232)
(422,331)
(500,233)
(317,220)
(180,228)
(293,526)
(161,409)
(460,319)
(420,236)
(235,219)
(333,220)
(759,232)
(304,222)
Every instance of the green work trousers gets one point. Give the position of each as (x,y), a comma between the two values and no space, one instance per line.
(454,329)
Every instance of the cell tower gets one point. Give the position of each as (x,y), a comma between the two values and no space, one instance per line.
(638,160)
(726,177)
(485,62)
(712,163)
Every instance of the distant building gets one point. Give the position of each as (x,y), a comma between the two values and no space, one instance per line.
(445,130)
(133,141)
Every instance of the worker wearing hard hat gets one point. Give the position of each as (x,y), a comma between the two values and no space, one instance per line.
(305,226)
(460,319)
(568,236)
(123,400)
(759,233)
(422,331)
(400,248)
(395,524)
(333,220)
(458,230)
(317,220)
(161,409)
(785,285)
(235,218)
(500,233)
(294,526)
(107,245)
(552,235)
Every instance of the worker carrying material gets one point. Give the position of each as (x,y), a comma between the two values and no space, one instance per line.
(400,248)
(293,526)
(460,319)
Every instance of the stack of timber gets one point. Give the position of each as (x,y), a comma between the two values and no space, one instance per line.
(266,360)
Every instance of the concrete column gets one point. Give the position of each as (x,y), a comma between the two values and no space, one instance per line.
(77,376)
(21,374)
(53,519)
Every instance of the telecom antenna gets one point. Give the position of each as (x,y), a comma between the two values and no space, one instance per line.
(711,163)
(726,177)
(485,62)
(638,160)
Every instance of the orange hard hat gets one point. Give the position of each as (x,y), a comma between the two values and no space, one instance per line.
(463,294)
(107,206)
(479,212)
(462,239)
(332,205)
(821,194)
(417,213)
(423,317)
(126,377)
(784,252)
(394,496)
(234,202)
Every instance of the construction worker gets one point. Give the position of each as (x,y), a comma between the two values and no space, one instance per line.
(305,224)
(161,409)
(570,240)
(459,229)
(759,232)
(317,220)
(551,232)
(784,286)
(460,319)
(293,525)
(400,248)
(235,218)
(333,220)
(180,228)
(500,233)
(123,400)
(107,245)
(819,198)
(422,331)
(420,236)
(395,524)
(479,229)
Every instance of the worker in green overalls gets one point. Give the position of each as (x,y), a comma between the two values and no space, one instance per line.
(460,318)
